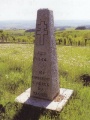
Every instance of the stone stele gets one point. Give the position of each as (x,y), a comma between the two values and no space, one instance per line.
(45,82)
(45,91)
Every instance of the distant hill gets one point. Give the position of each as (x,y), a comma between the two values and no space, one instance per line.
(31,24)
(80,28)
(30,30)
(87,27)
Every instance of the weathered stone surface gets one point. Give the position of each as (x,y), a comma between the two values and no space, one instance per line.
(45,82)
(52,105)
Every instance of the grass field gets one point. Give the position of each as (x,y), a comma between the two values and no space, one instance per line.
(15,78)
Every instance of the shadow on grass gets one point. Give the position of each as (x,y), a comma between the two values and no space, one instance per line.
(2,111)
(28,112)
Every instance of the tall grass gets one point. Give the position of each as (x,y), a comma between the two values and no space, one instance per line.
(73,61)
(15,78)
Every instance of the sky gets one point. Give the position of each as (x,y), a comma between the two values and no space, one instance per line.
(27,9)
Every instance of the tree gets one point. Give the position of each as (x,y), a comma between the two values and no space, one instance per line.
(64,40)
(70,38)
(1,31)
(2,37)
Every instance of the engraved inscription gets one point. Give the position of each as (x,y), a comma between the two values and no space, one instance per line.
(41,53)
(40,78)
(40,59)
(41,56)
(41,89)
(41,83)
(40,94)
(41,72)
(42,31)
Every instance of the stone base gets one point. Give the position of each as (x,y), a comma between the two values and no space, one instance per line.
(57,104)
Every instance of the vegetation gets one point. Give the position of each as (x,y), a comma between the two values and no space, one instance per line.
(15,78)
(69,37)
(16,36)
(81,28)
(73,37)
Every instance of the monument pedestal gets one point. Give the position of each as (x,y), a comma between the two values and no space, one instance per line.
(57,104)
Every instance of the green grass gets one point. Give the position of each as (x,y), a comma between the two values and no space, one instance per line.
(73,61)
(15,78)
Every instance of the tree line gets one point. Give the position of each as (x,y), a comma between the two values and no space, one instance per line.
(66,37)
(16,36)
(73,37)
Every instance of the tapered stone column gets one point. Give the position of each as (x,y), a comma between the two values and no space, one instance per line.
(45,81)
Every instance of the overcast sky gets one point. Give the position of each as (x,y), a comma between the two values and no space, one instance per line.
(27,9)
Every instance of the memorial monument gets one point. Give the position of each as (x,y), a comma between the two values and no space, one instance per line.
(45,81)
(45,91)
